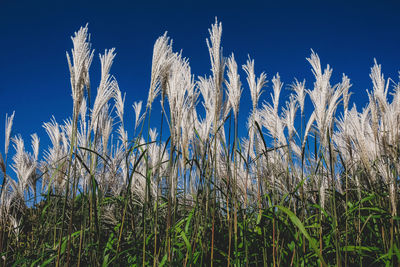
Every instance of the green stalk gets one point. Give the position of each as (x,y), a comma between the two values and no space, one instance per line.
(127,192)
(72,146)
(157,199)
(147,194)
(336,230)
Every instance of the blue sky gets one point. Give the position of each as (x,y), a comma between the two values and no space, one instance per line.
(278,35)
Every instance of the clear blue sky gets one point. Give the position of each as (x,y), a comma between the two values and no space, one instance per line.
(279,35)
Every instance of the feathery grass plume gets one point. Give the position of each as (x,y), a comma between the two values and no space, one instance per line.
(23,166)
(187,132)
(204,128)
(35,149)
(217,65)
(271,119)
(233,85)
(83,132)
(277,88)
(107,87)
(380,87)
(273,123)
(6,201)
(137,107)
(322,192)
(343,135)
(15,226)
(119,102)
(361,136)
(35,146)
(67,130)
(8,127)
(324,97)
(55,156)
(82,126)
(299,89)
(162,60)
(53,131)
(82,113)
(82,56)
(120,105)
(106,127)
(123,136)
(374,114)
(179,84)
(346,93)
(2,164)
(255,86)
(206,87)
(307,130)
(289,114)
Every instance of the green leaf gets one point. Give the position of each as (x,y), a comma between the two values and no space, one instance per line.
(186,240)
(105,261)
(296,221)
(358,248)
(48,261)
(189,219)
(164,260)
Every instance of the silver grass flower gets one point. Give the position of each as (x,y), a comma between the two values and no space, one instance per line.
(233,85)
(162,60)
(277,88)
(15,226)
(35,146)
(153,134)
(178,87)
(6,201)
(374,115)
(82,113)
(217,65)
(324,97)
(20,157)
(299,88)
(2,164)
(107,89)
(187,132)
(106,126)
(123,136)
(308,129)
(82,56)
(204,127)
(254,85)
(53,131)
(8,127)
(271,119)
(67,128)
(346,93)
(119,102)
(273,123)
(380,87)
(206,87)
(323,187)
(23,165)
(137,107)
(289,114)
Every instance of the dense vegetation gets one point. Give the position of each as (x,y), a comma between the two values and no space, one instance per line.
(305,187)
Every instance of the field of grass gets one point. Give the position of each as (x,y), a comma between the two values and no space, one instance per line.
(307,186)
